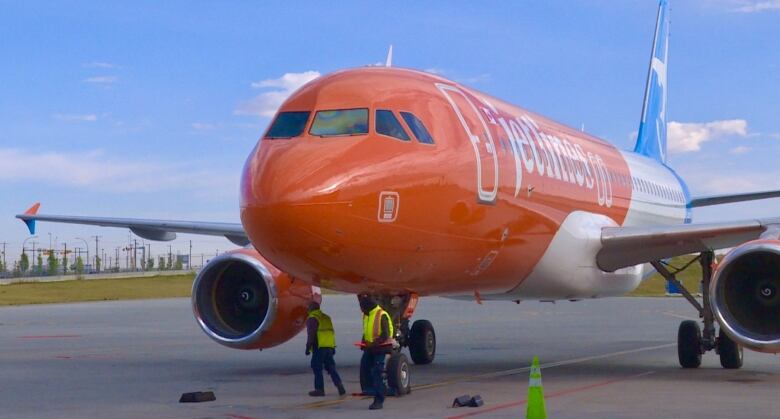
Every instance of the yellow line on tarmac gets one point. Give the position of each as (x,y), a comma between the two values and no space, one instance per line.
(504,373)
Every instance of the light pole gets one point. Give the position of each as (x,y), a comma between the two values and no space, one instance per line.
(24,243)
(86,246)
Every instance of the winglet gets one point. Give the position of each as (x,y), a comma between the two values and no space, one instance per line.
(30,222)
(389,59)
(33,209)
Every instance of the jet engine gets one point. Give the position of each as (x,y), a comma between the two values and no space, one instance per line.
(242,301)
(745,295)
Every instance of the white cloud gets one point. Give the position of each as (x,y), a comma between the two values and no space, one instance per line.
(203,126)
(685,137)
(101,80)
(740,150)
(91,117)
(753,6)
(95,171)
(267,103)
(99,64)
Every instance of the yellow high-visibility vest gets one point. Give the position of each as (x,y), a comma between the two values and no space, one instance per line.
(372,324)
(326,336)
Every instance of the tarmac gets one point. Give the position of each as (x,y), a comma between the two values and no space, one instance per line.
(611,358)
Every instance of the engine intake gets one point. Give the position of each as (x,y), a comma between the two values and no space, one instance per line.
(243,302)
(745,295)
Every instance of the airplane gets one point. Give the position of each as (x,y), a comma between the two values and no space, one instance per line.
(396,184)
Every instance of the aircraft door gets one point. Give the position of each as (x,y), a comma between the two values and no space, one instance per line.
(481,141)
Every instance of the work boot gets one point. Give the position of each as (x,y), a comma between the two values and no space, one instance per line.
(376,405)
(317,393)
(342,391)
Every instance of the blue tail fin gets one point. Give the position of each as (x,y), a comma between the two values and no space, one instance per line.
(652,130)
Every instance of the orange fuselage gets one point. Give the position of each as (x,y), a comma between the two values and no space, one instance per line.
(473,212)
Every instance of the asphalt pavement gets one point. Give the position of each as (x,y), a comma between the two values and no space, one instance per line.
(600,359)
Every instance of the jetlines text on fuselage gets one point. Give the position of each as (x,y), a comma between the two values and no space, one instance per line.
(536,151)
(556,158)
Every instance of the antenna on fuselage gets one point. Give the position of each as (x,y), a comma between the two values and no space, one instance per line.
(389,59)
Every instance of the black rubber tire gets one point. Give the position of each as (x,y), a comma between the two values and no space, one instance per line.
(422,342)
(399,374)
(689,344)
(365,374)
(730,353)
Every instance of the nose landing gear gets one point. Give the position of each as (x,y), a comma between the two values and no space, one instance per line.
(420,339)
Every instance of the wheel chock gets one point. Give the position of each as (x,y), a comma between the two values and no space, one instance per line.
(476,401)
(197,397)
(461,401)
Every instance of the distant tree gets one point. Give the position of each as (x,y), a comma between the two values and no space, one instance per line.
(24,263)
(39,267)
(161,265)
(150,264)
(2,266)
(17,272)
(79,267)
(179,265)
(97,263)
(52,263)
(65,264)
(169,265)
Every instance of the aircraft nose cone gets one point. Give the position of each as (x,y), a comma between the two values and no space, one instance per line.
(294,204)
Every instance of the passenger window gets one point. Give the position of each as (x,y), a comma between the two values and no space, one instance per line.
(340,122)
(388,124)
(288,125)
(417,128)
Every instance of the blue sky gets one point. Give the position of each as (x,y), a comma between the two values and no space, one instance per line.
(144,109)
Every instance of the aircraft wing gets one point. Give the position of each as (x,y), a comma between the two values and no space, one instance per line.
(628,246)
(162,230)
(705,201)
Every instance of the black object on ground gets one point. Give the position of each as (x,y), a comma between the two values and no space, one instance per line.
(461,401)
(476,401)
(197,397)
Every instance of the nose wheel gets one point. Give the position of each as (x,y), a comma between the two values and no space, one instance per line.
(422,342)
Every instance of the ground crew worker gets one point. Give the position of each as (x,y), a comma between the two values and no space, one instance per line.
(377,337)
(321,343)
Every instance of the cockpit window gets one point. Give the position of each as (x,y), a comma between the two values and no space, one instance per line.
(340,122)
(388,124)
(288,125)
(417,128)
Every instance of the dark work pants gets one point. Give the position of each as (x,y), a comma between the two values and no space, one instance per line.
(323,358)
(377,363)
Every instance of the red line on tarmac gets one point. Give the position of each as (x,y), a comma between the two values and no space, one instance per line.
(50,337)
(234,416)
(552,395)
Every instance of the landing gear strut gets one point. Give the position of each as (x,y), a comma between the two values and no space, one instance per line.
(420,339)
(693,341)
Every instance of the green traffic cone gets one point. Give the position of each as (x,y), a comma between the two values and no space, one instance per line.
(535,406)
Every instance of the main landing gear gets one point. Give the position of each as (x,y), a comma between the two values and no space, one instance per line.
(692,340)
(420,338)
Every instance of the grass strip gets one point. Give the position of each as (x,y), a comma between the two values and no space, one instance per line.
(163,286)
(655,286)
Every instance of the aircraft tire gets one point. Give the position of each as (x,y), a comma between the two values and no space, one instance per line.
(730,353)
(399,374)
(422,342)
(689,344)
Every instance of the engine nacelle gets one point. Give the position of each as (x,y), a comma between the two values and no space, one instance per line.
(745,295)
(242,301)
